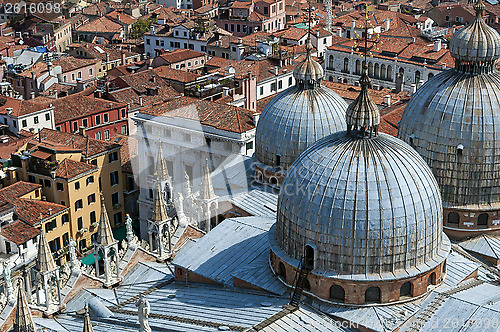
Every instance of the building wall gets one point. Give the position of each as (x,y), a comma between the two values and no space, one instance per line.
(63,37)
(33,121)
(272,85)
(85,74)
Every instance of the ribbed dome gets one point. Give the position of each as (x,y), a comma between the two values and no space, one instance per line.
(368,206)
(476,42)
(294,120)
(453,121)
(309,70)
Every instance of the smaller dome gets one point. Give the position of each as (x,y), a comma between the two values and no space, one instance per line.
(308,71)
(476,42)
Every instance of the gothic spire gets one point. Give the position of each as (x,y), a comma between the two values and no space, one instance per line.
(87,323)
(104,233)
(159,210)
(45,260)
(161,167)
(23,321)
(207,190)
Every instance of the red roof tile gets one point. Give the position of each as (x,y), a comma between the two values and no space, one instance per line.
(30,210)
(19,232)
(19,189)
(220,116)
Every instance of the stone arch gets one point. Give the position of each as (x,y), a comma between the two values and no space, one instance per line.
(373,295)
(358,67)
(406,289)
(346,65)
(337,293)
(376,72)
(389,73)
(482,220)
(370,69)
(259,177)
(453,218)
(431,280)
(309,256)
(417,76)
(331,64)
(383,72)
(273,180)
(282,271)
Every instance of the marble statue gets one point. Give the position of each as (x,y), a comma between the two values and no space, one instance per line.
(143,310)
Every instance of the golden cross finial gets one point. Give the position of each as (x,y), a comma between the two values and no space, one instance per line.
(375,41)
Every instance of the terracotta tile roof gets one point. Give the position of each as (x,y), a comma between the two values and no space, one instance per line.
(390,116)
(101,24)
(76,106)
(68,169)
(20,107)
(29,210)
(292,33)
(142,81)
(39,68)
(123,17)
(168,14)
(175,74)
(100,51)
(71,63)
(88,146)
(18,189)
(19,232)
(180,55)
(131,97)
(241,4)
(351,92)
(220,116)
(14,143)
(261,69)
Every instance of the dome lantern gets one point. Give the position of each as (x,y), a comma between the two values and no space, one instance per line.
(476,46)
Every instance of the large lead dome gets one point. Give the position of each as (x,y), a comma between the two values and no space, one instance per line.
(367,205)
(298,116)
(452,120)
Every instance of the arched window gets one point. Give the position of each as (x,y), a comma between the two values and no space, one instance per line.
(260,177)
(370,69)
(431,75)
(307,285)
(346,65)
(482,220)
(401,71)
(406,289)
(453,218)
(383,72)
(377,71)
(432,279)
(417,77)
(278,160)
(337,293)
(358,67)
(273,181)
(282,271)
(330,78)
(372,295)
(389,73)
(309,259)
(330,62)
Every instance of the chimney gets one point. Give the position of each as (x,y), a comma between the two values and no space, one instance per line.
(339,31)
(32,95)
(107,58)
(256,117)
(353,25)
(79,85)
(276,70)
(141,101)
(130,48)
(49,66)
(118,17)
(387,100)
(443,66)
(413,40)
(9,110)
(437,45)
(35,83)
(82,131)
(225,91)
(123,58)
(44,198)
(387,25)
(413,89)
(240,40)
(152,30)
